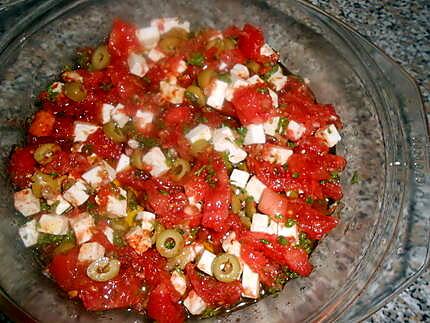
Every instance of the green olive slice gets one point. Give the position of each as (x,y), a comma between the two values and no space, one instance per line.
(226,268)
(136,159)
(114,132)
(236,204)
(179,169)
(75,91)
(45,185)
(169,243)
(103,269)
(45,152)
(199,146)
(100,58)
(205,77)
(195,95)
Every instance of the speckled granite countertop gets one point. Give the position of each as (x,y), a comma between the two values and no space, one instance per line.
(402,29)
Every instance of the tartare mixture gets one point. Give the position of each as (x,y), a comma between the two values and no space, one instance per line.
(177,172)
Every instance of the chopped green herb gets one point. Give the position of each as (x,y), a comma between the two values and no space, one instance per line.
(164,192)
(242,133)
(201,119)
(305,243)
(51,93)
(335,175)
(200,170)
(290,222)
(309,200)
(170,158)
(292,144)
(44,206)
(196,59)
(226,160)
(225,77)
(296,175)
(147,142)
(282,125)
(117,239)
(272,71)
(264,241)
(87,149)
(146,79)
(355,178)
(282,240)
(263,90)
(46,238)
(279,216)
(210,312)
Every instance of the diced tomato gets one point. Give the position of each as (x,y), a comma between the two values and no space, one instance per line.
(250,41)
(163,305)
(217,202)
(178,115)
(332,190)
(63,128)
(64,163)
(123,291)
(232,57)
(63,268)
(122,40)
(43,124)
(212,291)
(133,178)
(252,105)
(22,166)
(272,203)
(104,146)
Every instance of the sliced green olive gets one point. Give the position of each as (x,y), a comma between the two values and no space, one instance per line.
(136,159)
(103,269)
(179,169)
(75,91)
(158,228)
(199,146)
(64,247)
(114,132)
(180,33)
(216,42)
(119,224)
(246,221)
(45,186)
(226,268)
(253,66)
(250,208)
(169,243)
(186,256)
(169,44)
(100,58)
(228,44)
(45,152)
(205,77)
(195,95)
(236,205)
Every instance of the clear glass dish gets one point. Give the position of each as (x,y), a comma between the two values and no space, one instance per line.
(382,242)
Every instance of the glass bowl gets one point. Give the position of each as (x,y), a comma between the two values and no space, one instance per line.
(382,242)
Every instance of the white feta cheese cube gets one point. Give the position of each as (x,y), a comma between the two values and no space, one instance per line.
(119,116)
(194,303)
(117,205)
(278,155)
(223,141)
(288,232)
(99,175)
(123,163)
(166,24)
(260,222)
(231,245)
(76,194)
(295,130)
(274,97)
(239,178)
(82,130)
(271,126)
(26,203)
(29,233)
(137,65)
(106,112)
(266,50)
(250,283)
(255,188)
(132,143)
(148,37)
(217,94)
(82,226)
(254,134)
(278,80)
(139,239)
(155,55)
(147,220)
(331,135)
(255,79)
(72,76)
(222,66)
(179,282)
(61,205)
(143,118)
(56,87)
(200,132)
(171,92)
(108,232)
(205,262)
(229,93)
(53,224)
(239,71)
(182,67)
(156,159)
(91,251)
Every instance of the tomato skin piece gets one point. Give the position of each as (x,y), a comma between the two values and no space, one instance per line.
(22,166)
(178,116)
(104,146)
(332,190)
(273,203)
(252,106)
(63,163)
(212,291)
(122,39)
(250,41)
(163,304)
(63,268)
(232,57)
(42,124)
